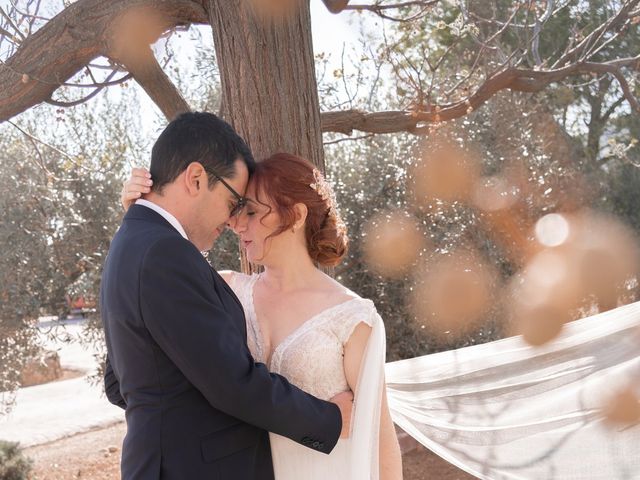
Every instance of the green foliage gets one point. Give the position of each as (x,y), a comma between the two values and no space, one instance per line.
(59,184)
(513,134)
(621,194)
(225,254)
(13,464)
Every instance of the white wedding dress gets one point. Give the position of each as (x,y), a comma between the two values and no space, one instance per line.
(500,410)
(311,358)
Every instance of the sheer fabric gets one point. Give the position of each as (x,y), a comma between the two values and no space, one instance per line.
(504,410)
(311,358)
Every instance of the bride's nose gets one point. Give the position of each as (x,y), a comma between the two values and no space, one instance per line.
(236,224)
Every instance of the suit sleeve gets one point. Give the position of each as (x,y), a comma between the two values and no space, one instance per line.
(112,386)
(185,316)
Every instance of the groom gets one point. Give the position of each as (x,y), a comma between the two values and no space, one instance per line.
(197,405)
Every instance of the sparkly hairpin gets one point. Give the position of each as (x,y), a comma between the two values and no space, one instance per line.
(326,192)
(324,188)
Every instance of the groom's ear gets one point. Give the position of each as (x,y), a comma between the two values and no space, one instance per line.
(301,212)
(195,178)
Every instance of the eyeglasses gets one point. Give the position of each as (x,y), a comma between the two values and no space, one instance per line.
(241,201)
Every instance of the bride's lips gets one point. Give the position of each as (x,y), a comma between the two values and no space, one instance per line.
(246,243)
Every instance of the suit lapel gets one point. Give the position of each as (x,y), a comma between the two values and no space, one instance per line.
(229,299)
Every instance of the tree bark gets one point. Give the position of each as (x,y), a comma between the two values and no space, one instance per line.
(268,78)
(268,81)
(596,126)
(80,33)
(149,74)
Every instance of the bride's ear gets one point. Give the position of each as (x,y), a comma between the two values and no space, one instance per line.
(301,212)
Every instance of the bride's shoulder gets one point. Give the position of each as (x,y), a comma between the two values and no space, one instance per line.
(362,305)
(356,303)
(354,311)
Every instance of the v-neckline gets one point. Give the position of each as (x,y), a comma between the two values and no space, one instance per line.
(294,333)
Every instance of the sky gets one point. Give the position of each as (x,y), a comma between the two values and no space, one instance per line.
(331,32)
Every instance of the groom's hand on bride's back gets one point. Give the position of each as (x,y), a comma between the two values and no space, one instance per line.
(136,185)
(344,401)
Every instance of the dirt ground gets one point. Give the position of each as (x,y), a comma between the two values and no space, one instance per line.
(95,455)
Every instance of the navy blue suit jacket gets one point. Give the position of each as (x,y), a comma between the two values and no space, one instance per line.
(197,405)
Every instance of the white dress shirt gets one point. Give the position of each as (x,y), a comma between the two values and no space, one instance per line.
(167,216)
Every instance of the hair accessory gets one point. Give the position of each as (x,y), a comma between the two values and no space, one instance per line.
(324,188)
(326,192)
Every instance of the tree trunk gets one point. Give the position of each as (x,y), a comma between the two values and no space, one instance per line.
(596,127)
(269,88)
(267,70)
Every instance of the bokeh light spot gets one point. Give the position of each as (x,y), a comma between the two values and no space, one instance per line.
(552,230)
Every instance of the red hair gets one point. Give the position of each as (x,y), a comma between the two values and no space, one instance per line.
(286,179)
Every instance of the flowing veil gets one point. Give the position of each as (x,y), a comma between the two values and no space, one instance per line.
(505,410)
(363,443)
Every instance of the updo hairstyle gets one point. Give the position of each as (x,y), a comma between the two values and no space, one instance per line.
(287,179)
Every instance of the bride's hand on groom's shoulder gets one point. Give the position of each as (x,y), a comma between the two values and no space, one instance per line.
(344,401)
(135,186)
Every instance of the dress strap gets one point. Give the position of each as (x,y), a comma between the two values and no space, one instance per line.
(360,311)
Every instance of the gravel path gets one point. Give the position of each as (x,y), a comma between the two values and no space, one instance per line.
(95,455)
(47,412)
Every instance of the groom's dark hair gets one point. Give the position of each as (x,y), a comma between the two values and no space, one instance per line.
(197,137)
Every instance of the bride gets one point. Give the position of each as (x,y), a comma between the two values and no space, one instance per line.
(302,323)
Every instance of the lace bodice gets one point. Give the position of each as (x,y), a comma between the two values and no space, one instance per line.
(311,357)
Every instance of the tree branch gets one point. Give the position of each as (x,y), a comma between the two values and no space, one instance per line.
(59,103)
(106,83)
(15,40)
(348,139)
(98,87)
(149,74)
(55,149)
(585,44)
(511,78)
(612,108)
(32,16)
(335,6)
(80,33)
(381,9)
(626,90)
(378,8)
(10,22)
(41,164)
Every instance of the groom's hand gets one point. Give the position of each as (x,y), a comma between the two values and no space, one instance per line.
(344,401)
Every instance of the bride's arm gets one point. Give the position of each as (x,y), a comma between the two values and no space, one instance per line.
(390,456)
(135,186)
